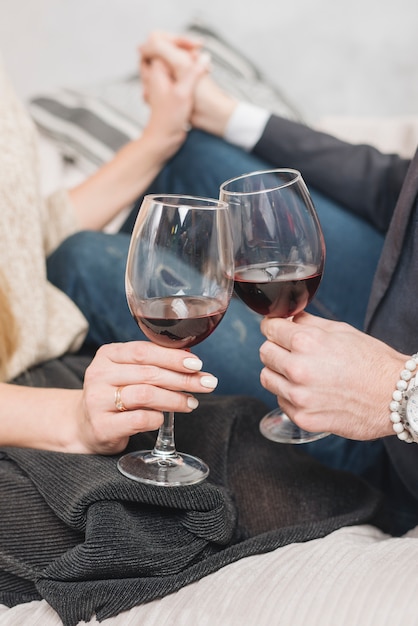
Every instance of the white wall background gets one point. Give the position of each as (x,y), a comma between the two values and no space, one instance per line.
(331,57)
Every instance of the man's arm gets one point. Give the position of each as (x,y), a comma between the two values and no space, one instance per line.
(359,177)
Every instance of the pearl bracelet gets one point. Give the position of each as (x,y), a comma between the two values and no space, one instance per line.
(397,406)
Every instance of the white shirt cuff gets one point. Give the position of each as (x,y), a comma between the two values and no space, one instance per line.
(246,125)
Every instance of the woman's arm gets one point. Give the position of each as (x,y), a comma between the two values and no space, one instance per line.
(118,183)
(152,379)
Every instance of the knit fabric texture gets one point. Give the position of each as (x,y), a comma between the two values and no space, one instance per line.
(49,324)
(76,532)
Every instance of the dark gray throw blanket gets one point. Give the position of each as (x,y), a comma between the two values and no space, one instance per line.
(77,533)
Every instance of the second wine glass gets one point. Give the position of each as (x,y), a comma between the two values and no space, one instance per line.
(279,258)
(179,281)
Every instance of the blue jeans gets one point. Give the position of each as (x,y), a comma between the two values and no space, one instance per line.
(90,268)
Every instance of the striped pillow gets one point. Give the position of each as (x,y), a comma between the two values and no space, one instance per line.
(88,125)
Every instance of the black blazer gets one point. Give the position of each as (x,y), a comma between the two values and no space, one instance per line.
(381,188)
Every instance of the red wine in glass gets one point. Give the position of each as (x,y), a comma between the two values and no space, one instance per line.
(277,290)
(279,255)
(178,282)
(179,321)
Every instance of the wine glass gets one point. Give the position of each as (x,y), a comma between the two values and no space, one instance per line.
(179,281)
(279,258)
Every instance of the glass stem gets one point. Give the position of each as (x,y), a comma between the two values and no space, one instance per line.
(164,446)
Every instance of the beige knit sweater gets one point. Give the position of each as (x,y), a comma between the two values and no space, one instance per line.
(49,323)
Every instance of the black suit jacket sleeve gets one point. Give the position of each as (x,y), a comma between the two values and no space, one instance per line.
(358,177)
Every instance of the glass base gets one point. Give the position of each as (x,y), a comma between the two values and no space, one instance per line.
(145,466)
(276,426)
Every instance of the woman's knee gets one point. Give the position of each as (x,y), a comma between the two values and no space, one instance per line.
(87,255)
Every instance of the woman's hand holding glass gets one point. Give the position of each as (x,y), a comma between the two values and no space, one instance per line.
(151,379)
(179,281)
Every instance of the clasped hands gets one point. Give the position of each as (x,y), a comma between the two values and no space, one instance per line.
(179,63)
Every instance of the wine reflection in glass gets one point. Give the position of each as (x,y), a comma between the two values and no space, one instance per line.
(179,281)
(279,255)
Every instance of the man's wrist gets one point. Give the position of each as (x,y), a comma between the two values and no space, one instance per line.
(245,125)
(404,418)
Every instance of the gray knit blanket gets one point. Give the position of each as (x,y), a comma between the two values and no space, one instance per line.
(78,534)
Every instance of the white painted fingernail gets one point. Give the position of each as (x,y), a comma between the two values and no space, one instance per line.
(210,382)
(193,364)
(192,403)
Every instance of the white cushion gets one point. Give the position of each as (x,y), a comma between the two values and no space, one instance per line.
(356,576)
